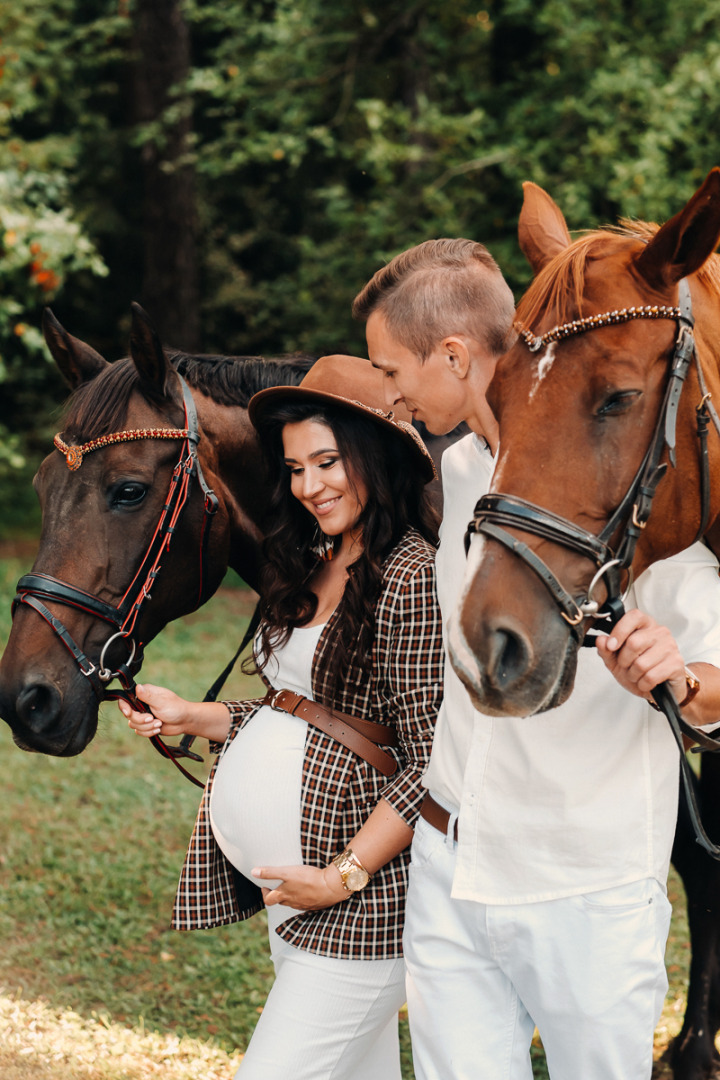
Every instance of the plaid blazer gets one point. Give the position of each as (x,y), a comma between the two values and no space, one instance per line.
(400,686)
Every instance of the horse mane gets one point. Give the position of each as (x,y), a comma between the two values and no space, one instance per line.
(560,285)
(99,407)
(232,380)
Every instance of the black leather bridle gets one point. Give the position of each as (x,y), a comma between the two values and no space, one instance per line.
(494,512)
(36,590)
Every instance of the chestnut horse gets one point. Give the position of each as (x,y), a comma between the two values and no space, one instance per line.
(608,443)
(100,519)
(578,399)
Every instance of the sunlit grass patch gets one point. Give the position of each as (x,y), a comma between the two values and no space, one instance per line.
(38,1041)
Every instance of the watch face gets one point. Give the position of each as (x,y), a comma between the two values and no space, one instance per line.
(356,879)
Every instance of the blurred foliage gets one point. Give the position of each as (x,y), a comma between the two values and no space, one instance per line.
(331,136)
(44,245)
(326,136)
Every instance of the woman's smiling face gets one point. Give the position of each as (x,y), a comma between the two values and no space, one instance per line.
(319,479)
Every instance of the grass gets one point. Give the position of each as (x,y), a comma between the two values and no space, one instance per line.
(44,1043)
(94,985)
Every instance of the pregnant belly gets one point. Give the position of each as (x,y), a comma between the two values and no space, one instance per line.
(255,800)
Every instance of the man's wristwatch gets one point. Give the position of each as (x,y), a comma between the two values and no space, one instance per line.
(693,689)
(354,875)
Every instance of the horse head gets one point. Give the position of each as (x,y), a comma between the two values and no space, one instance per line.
(578,400)
(135,506)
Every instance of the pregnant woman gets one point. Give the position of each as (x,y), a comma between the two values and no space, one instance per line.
(311,804)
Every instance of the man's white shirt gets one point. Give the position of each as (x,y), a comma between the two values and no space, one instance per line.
(582,797)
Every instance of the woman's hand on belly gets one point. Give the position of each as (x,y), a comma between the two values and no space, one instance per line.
(307,888)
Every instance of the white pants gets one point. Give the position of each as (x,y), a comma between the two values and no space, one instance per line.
(587,970)
(326,1019)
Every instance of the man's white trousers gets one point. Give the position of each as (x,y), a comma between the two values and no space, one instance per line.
(588,971)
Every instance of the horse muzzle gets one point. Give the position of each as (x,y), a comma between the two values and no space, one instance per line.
(506,641)
(45,721)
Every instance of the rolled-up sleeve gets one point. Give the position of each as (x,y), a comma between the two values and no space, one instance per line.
(409,639)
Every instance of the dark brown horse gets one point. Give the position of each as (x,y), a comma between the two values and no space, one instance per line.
(99,520)
(590,411)
(138,533)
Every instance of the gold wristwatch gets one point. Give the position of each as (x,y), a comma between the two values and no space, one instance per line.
(354,875)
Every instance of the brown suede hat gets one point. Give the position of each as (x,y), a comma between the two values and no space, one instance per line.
(350,382)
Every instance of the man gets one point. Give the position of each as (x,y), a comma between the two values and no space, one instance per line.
(537,888)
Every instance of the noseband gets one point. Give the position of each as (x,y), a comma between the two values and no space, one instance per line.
(494,512)
(34,590)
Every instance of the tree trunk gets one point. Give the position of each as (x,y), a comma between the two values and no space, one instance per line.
(170,275)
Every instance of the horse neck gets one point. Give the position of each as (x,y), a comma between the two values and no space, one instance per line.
(676,510)
(230,455)
(706,303)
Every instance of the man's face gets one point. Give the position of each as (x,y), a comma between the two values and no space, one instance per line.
(431,390)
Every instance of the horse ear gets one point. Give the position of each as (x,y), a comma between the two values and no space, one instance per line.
(147,352)
(684,243)
(542,229)
(77,361)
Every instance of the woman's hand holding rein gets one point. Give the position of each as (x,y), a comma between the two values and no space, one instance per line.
(170,715)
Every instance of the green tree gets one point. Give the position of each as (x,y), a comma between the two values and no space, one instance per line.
(327,138)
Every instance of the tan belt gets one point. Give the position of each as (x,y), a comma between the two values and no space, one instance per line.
(436,816)
(360,736)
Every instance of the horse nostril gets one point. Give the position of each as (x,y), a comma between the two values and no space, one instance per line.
(38,706)
(509,657)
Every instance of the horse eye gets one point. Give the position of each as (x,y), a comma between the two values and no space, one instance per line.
(130,493)
(618,403)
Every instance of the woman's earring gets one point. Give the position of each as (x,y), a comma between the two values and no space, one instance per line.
(323,546)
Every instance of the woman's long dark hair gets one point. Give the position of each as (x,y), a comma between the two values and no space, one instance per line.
(397,499)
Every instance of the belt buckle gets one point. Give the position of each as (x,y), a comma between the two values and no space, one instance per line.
(273,698)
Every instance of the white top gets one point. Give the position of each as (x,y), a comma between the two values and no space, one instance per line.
(255,801)
(582,797)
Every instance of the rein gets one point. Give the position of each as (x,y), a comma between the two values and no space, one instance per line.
(34,590)
(495,511)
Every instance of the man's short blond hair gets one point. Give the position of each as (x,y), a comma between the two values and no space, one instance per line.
(439,288)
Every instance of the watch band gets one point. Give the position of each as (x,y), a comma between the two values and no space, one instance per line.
(354,875)
(693,688)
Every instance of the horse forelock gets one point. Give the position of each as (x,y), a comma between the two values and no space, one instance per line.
(100,406)
(560,285)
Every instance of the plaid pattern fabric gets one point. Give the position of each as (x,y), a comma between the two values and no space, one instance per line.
(401,687)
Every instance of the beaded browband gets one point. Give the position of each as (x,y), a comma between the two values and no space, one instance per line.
(592,322)
(74,454)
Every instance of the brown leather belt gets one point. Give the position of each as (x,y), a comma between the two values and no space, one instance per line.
(360,736)
(439,818)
